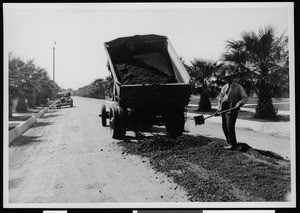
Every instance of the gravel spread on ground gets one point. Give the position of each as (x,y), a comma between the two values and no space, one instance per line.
(210,173)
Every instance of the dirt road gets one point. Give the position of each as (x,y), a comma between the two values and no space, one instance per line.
(68,157)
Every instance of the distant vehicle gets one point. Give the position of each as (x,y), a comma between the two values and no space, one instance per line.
(64,99)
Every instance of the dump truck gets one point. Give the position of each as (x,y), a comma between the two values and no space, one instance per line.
(150,85)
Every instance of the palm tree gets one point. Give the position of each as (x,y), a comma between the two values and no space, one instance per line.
(263,58)
(28,84)
(203,82)
(16,83)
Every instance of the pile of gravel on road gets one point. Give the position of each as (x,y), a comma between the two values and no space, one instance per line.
(141,74)
(209,173)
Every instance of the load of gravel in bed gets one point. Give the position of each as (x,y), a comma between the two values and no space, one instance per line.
(141,73)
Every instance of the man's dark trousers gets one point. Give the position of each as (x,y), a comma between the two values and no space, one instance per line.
(228,124)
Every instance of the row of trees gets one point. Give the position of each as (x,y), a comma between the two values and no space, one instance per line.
(262,60)
(97,89)
(29,85)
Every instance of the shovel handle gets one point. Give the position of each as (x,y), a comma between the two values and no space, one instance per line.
(224,111)
(221,112)
(209,117)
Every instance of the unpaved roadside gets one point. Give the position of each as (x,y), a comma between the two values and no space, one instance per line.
(68,157)
(211,173)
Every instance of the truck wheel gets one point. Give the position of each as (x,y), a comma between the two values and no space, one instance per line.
(103,115)
(116,123)
(175,122)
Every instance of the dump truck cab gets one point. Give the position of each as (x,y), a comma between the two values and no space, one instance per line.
(64,99)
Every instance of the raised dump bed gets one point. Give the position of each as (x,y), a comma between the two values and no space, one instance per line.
(150,85)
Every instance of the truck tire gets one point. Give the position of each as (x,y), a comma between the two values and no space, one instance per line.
(116,123)
(103,115)
(175,120)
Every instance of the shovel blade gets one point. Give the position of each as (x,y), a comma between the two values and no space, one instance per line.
(199,119)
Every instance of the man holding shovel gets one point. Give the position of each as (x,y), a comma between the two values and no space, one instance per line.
(232,95)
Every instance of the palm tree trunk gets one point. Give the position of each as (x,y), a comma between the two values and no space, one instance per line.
(265,108)
(204,102)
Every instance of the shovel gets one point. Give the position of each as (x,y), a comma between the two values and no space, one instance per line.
(200,118)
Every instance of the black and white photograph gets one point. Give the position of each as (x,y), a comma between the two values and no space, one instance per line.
(149,105)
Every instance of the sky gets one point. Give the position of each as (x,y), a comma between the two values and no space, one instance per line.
(78,31)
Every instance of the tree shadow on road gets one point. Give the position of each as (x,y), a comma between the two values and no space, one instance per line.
(49,116)
(25,140)
(39,124)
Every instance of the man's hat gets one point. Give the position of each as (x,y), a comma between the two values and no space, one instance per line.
(229,73)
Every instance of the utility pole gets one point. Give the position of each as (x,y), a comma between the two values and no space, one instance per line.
(54,61)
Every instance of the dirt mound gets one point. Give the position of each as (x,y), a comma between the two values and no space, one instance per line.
(140,73)
(210,173)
